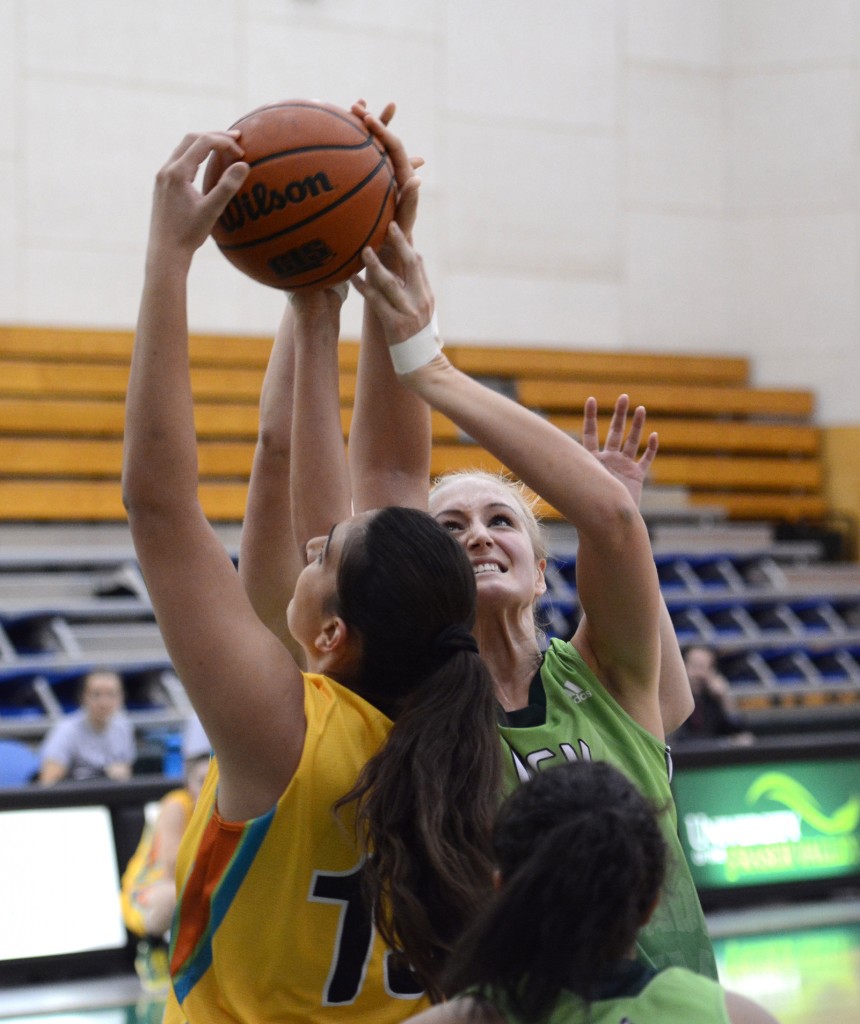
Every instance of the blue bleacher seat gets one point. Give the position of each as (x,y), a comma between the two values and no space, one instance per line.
(19,700)
(790,667)
(19,763)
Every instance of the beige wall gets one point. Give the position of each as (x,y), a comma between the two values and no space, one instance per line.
(673,174)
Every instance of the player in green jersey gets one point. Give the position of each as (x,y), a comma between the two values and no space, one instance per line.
(595,696)
(580,858)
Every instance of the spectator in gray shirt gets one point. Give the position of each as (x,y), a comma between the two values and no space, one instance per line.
(96,741)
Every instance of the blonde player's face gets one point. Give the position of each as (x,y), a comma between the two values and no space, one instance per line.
(492,531)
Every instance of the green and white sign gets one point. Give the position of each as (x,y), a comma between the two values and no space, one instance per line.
(755,824)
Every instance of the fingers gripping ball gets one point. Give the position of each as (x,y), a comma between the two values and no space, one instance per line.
(320,189)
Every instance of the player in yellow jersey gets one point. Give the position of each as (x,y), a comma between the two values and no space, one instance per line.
(385,745)
(148,889)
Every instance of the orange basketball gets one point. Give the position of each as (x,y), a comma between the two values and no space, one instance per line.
(320,189)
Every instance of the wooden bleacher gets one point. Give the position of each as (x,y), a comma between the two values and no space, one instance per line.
(754,452)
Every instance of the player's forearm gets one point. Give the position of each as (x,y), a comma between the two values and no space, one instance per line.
(390,436)
(552,464)
(319,475)
(160,446)
(676,697)
(269,561)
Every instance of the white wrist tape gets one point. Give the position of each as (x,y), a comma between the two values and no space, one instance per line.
(418,350)
(341,290)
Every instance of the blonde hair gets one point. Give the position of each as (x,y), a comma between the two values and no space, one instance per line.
(523,499)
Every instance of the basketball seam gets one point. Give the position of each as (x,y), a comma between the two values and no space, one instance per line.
(237,246)
(357,147)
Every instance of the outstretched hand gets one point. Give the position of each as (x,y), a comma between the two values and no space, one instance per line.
(404,304)
(182,215)
(619,453)
(404,169)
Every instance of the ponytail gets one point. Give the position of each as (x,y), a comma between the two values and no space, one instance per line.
(425,804)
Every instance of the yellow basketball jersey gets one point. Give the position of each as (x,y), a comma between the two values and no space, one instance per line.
(269,924)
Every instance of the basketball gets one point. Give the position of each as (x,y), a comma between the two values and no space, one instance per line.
(321,188)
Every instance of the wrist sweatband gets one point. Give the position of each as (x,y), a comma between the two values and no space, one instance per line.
(341,290)
(418,350)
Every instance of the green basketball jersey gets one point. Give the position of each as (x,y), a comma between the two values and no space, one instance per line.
(581,721)
(673,996)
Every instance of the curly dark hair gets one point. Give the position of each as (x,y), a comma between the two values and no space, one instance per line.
(582,861)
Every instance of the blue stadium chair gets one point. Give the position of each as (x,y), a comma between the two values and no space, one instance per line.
(692,625)
(676,574)
(819,616)
(19,764)
(732,620)
(791,667)
(836,666)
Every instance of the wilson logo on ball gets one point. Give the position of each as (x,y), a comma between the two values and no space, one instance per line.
(262,201)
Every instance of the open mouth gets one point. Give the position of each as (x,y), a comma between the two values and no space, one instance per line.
(487,568)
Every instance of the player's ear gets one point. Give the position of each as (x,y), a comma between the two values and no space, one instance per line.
(338,646)
(540,577)
(333,635)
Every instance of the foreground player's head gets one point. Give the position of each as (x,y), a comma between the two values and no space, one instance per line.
(580,861)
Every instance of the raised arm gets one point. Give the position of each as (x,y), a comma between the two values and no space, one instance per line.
(319,476)
(269,558)
(245,687)
(620,455)
(300,448)
(617,579)
(389,438)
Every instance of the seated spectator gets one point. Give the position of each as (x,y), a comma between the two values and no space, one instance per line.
(148,895)
(94,742)
(714,714)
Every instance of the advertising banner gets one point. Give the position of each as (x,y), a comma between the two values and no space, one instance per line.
(755,824)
